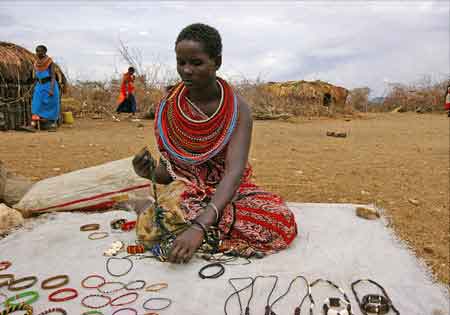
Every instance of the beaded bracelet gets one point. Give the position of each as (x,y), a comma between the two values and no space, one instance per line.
(122,286)
(12,284)
(8,276)
(169,302)
(215,275)
(98,235)
(54,310)
(156,287)
(64,278)
(93,312)
(135,249)
(135,294)
(83,301)
(52,297)
(125,309)
(4,265)
(89,227)
(18,307)
(120,274)
(142,282)
(34,296)
(83,282)
(117,223)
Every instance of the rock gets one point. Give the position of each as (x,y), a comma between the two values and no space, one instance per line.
(428,250)
(367,213)
(12,187)
(9,219)
(414,201)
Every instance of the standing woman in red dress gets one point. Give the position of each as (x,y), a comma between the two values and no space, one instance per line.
(203,129)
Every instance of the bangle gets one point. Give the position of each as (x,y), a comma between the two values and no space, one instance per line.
(54,310)
(93,312)
(118,274)
(107,298)
(64,278)
(125,309)
(142,282)
(169,302)
(12,284)
(122,286)
(83,282)
(4,265)
(8,276)
(216,210)
(89,227)
(18,307)
(128,226)
(34,296)
(213,276)
(52,297)
(135,294)
(155,287)
(98,235)
(201,225)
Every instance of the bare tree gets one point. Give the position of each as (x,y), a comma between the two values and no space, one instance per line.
(133,56)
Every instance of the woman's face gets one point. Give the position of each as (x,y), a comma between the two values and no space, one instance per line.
(40,52)
(195,67)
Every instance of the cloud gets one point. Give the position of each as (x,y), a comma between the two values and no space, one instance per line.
(350,43)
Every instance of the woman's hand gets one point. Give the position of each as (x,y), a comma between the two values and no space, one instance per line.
(144,164)
(50,92)
(185,245)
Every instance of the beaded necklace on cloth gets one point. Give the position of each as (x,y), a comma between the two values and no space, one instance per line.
(43,64)
(191,140)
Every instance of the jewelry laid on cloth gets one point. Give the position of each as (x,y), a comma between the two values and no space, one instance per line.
(52,297)
(12,286)
(299,307)
(54,310)
(216,275)
(84,285)
(115,248)
(4,265)
(90,227)
(128,226)
(129,287)
(335,305)
(155,287)
(134,294)
(135,249)
(117,223)
(18,307)
(64,280)
(167,300)
(33,296)
(236,292)
(119,258)
(374,303)
(268,310)
(121,310)
(9,278)
(98,235)
(121,287)
(105,297)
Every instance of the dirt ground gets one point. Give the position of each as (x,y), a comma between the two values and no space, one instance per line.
(386,159)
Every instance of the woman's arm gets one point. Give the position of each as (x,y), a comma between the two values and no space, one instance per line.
(145,165)
(52,82)
(236,158)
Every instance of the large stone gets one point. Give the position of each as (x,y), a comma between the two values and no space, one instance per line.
(12,187)
(9,219)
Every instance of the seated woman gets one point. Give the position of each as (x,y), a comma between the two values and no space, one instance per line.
(45,104)
(203,131)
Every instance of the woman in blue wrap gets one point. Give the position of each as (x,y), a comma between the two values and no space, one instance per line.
(45,105)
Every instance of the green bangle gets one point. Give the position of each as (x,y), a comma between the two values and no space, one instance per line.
(92,313)
(34,297)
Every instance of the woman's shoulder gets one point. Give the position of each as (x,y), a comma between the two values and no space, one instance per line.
(245,110)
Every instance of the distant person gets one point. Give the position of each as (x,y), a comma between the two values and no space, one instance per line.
(127,101)
(45,104)
(447,101)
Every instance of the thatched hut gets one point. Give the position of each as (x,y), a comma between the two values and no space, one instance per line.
(16,85)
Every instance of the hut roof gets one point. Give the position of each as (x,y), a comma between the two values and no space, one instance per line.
(16,64)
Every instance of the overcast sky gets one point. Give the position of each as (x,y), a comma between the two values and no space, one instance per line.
(348,43)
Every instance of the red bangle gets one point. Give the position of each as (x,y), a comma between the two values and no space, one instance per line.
(83,282)
(136,295)
(125,309)
(96,306)
(4,265)
(128,226)
(52,298)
